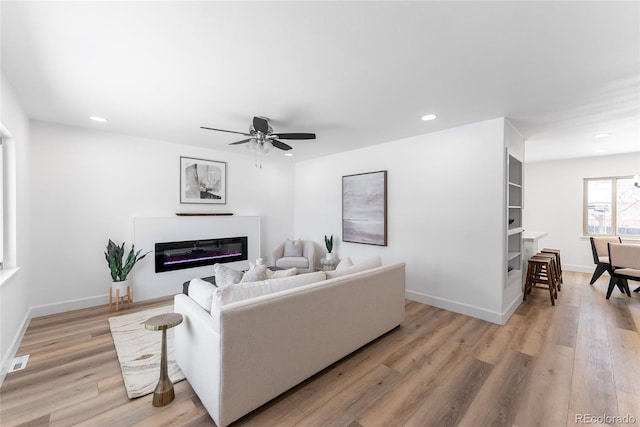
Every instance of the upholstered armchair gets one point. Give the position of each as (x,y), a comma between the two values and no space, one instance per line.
(297,253)
(625,265)
(601,255)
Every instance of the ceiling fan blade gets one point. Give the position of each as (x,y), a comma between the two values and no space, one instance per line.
(281,145)
(261,125)
(244,141)
(229,131)
(296,135)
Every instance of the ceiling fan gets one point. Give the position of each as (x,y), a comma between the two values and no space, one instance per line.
(262,136)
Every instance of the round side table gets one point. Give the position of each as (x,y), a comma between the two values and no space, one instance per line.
(163,394)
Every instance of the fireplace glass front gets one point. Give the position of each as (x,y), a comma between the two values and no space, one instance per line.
(197,253)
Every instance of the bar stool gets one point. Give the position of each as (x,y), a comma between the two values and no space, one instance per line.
(539,275)
(556,252)
(555,275)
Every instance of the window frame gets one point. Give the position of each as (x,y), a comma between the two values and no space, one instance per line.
(614,205)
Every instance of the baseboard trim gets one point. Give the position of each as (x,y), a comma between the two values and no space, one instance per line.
(13,348)
(61,307)
(512,308)
(466,309)
(578,268)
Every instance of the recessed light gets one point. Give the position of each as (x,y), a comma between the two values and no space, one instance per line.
(98,119)
(601,135)
(428,117)
(288,154)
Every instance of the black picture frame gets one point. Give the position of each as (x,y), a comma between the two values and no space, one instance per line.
(364,208)
(203,181)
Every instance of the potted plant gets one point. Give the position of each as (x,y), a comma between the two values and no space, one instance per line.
(119,267)
(328,242)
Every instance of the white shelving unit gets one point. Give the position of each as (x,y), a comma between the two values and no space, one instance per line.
(514,218)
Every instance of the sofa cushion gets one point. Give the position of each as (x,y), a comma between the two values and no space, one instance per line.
(243,291)
(226,276)
(292,248)
(257,273)
(344,264)
(361,266)
(281,273)
(290,262)
(630,272)
(202,293)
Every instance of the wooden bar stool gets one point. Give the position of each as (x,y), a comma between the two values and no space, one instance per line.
(555,275)
(539,276)
(556,252)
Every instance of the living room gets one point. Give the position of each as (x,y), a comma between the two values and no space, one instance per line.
(74,186)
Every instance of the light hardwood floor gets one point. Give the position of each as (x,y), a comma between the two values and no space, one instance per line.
(544,367)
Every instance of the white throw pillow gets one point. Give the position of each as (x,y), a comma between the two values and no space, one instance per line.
(292,248)
(344,264)
(281,273)
(257,273)
(226,276)
(243,291)
(367,264)
(202,293)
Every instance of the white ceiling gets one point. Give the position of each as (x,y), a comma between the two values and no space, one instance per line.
(355,73)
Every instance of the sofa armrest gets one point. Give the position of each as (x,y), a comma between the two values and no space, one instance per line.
(309,252)
(277,253)
(197,352)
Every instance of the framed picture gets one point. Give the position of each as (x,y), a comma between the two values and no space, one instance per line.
(203,181)
(364,208)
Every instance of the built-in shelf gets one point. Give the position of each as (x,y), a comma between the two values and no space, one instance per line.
(514,231)
(514,218)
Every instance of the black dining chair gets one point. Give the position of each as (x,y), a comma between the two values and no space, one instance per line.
(601,255)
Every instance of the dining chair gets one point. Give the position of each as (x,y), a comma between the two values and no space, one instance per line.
(601,255)
(625,265)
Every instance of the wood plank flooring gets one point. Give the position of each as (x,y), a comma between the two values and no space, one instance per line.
(545,367)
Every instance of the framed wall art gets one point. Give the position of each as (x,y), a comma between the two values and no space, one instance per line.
(364,208)
(203,181)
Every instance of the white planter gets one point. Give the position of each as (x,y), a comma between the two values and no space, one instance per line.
(331,256)
(119,286)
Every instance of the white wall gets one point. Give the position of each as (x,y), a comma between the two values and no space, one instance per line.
(553,200)
(89,185)
(14,302)
(445,212)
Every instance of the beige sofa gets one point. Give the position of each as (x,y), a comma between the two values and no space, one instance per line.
(248,351)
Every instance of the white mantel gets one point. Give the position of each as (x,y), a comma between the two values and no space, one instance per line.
(147,232)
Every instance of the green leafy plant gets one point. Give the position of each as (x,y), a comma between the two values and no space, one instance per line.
(114,256)
(328,242)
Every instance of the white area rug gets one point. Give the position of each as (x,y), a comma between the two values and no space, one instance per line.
(139,351)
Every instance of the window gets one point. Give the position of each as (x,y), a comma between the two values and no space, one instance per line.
(611,206)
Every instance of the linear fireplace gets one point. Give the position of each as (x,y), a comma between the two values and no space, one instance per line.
(197,253)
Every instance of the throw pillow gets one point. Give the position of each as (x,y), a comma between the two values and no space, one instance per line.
(202,293)
(243,291)
(255,274)
(361,266)
(226,276)
(344,264)
(281,273)
(292,248)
